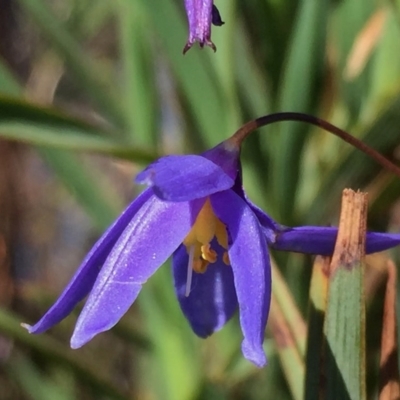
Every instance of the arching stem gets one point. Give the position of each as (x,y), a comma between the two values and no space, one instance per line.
(250,126)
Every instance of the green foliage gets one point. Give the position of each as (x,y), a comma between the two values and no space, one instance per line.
(121,93)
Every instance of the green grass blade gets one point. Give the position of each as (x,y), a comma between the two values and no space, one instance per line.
(225,66)
(356,168)
(10,326)
(139,73)
(299,92)
(345,316)
(290,358)
(30,380)
(69,138)
(8,83)
(34,125)
(95,200)
(316,317)
(174,349)
(349,20)
(289,310)
(196,78)
(87,73)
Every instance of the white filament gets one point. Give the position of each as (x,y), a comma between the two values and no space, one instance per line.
(189,271)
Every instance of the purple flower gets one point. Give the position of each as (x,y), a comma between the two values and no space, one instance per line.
(195,210)
(201,13)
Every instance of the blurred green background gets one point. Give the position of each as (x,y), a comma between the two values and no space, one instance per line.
(93,90)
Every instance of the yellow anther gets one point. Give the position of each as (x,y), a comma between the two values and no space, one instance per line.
(200,265)
(225,258)
(221,235)
(203,229)
(206,227)
(208,253)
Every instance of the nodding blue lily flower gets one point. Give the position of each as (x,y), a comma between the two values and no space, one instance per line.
(201,14)
(195,210)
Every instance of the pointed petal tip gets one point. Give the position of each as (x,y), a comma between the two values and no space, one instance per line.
(254,354)
(201,332)
(187,47)
(79,339)
(37,328)
(208,43)
(28,327)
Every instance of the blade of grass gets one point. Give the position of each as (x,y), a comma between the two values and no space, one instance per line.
(34,125)
(349,19)
(345,316)
(174,353)
(389,368)
(255,91)
(88,74)
(385,65)
(196,78)
(225,66)
(78,180)
(43,345)
(299,91)
(289,310)
(8,83)
(290,358)
(314,382)
(364,44)
(70,138)
(138,72)
(36,386)
(356,168)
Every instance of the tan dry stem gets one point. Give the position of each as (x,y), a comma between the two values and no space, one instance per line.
(364,45)
(349,256)
(350,242)
(319,282)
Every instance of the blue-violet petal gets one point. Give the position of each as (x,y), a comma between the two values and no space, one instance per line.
(321,240)
(212,299)
(151,237)
(268,225)
(184,178)
(83,280)
(251,270)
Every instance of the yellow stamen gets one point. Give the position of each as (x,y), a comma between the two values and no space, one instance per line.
(220,234)
(203,229)
(225,258)
(200,265)
(208,253)
(206,227)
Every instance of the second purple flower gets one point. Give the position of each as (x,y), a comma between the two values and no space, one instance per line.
(201,14)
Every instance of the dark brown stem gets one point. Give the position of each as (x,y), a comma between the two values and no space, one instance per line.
(250,126)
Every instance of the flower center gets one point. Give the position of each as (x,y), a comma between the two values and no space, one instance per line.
(206,227)
(198,242)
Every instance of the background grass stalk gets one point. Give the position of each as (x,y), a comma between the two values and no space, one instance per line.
(389,370)
(345,317)
(314,384)
(289,355)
